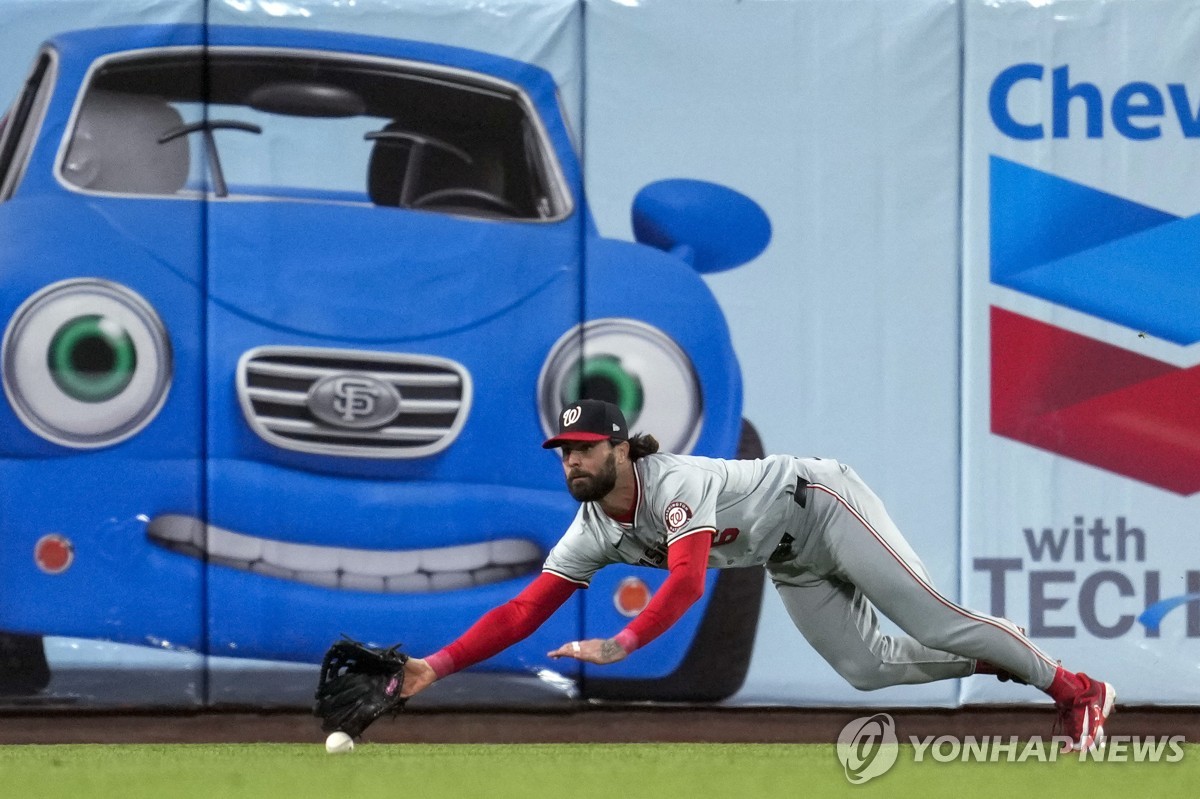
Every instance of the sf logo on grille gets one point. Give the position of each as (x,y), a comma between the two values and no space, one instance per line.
(354,401)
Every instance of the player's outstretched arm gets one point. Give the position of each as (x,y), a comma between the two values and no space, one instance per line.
(496,630)
(687,559)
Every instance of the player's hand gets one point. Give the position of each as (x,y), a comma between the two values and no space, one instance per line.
(600,651)
(418,675)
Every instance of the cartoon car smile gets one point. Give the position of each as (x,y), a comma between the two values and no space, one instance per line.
(288,313)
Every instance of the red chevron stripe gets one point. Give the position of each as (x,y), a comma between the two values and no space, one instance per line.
(1096,403)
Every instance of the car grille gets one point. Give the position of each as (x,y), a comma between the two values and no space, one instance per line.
(279,388)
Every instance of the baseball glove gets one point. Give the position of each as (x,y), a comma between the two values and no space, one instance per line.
(358,684)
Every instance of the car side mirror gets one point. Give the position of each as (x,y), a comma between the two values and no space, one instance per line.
(712,227)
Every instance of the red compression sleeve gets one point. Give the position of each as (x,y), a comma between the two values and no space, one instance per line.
(687,560)
(503,626)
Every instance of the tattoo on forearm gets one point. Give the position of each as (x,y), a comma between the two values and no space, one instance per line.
(611,649)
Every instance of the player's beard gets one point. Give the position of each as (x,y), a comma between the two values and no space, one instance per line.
(595,487)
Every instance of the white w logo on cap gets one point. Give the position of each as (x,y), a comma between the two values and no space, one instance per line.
(571,415)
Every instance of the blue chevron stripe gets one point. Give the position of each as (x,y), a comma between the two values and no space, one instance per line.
(1095,252)
(1038,217)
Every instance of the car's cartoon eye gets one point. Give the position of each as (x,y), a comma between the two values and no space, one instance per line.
(631,364)
(92,358)
(86,363)
(604,377)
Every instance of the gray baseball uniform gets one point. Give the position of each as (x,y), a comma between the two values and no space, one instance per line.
(832,551)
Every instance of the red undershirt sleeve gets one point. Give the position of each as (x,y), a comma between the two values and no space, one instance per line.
(503,626)
(687,560)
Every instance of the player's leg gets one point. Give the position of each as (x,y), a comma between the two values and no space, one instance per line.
(845,533)
(857,541)
(840,624)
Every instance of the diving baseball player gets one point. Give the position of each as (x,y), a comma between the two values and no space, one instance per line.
(833,553)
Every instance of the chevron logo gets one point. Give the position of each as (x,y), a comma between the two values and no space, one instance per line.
(1117,260)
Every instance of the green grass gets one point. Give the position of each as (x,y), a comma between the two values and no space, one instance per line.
(551,771)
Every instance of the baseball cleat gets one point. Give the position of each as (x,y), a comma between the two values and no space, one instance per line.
(1083,718)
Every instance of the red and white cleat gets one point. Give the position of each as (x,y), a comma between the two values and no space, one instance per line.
(1083,718)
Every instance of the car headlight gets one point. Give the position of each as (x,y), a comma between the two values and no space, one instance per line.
(86,363)
(633,365)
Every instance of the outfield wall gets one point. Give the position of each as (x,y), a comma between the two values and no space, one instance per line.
(975,291)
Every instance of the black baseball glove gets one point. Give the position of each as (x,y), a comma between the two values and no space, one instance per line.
(358,685)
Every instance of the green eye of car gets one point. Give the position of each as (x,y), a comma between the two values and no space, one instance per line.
(92,358)
(604,378)
(632,364)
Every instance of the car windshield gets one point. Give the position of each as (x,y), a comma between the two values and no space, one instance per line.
(241,123)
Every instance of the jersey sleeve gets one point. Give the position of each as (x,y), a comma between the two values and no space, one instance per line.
(687,560)
(685,502)
(503,626)
(578,555)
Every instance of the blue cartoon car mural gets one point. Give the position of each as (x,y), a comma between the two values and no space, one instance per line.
(286,315)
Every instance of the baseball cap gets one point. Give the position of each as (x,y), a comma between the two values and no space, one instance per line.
(589,420)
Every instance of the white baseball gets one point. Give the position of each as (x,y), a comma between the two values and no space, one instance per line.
(339,742)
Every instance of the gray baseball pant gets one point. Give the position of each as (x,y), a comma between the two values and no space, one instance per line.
(849,560)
